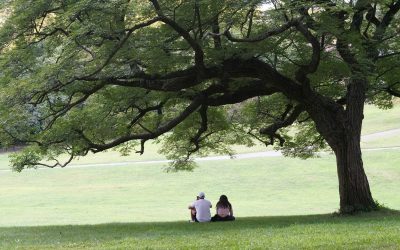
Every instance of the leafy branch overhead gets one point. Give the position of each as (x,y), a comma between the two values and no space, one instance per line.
(88,76)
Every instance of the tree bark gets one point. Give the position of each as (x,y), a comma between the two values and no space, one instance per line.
(342,130)
(354,190)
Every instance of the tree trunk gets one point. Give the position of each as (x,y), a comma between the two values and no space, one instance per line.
(354,191)
(355,194)
(342,130)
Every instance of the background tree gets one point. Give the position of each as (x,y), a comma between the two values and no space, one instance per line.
(91,75)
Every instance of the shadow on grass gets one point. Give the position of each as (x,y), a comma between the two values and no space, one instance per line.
(117,231)
(292,232)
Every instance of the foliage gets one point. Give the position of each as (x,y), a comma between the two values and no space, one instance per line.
(88,76)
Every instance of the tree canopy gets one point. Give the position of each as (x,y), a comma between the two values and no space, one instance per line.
(198,76)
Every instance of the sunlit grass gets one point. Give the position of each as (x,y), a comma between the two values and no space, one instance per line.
(145,192)
(377,120)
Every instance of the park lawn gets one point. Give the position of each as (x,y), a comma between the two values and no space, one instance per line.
(392,140)
(377,120)
(376,230)
(146,193)
(4,161)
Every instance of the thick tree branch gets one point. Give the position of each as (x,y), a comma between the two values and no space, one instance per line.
(144,111)
(303,71)
(360,8)
(199,54)
(198,17)
(370,16)
(288,119)
(255,88)
(192,107)
(120,45)
(265,34)
(386,20)
(203,128)
(233,68)
(392,91)
(216,30)
(344,50)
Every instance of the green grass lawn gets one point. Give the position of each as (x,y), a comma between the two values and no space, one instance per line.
(144,192)
(377,120)
(383,141)
(376,230)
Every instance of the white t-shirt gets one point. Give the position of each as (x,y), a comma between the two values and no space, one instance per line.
(203,213)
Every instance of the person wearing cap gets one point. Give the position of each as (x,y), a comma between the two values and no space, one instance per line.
(202,207)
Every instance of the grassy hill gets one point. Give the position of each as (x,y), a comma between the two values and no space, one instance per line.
(377,120)
(144,192)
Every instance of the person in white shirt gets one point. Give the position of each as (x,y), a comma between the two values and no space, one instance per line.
(202,207)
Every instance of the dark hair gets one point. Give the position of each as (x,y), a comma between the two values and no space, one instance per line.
(223,202)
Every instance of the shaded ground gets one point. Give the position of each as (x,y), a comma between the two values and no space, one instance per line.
(376,230)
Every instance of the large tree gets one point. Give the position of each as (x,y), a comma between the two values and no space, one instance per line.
(198,75)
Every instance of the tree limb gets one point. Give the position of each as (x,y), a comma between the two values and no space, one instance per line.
(265,34)
(288,120)
(192,107)
(199,54)
(303,71)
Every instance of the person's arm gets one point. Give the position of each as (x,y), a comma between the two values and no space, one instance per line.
(191,206)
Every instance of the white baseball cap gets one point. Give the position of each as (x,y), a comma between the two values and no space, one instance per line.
(202,195)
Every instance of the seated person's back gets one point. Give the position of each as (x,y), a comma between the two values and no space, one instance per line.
(202,207)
